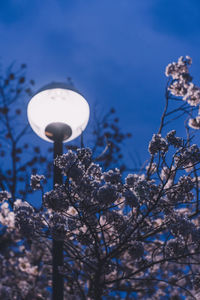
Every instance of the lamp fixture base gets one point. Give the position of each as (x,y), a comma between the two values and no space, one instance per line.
(58,131)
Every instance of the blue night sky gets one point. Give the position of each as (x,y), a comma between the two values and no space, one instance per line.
(114,50)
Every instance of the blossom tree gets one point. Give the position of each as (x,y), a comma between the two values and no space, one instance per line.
(127,238)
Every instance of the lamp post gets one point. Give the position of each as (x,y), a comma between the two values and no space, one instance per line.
(58,113)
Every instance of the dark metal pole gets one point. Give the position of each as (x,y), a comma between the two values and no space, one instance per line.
(82,145)
(58,282)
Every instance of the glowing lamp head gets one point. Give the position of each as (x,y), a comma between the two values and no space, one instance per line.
(58,112)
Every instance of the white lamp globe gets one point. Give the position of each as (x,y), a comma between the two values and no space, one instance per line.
(58,111)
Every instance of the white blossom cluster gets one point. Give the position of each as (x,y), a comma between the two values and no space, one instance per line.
(181,78)
(56,199)
(187,157)
(25,270)
(36,181)
(7,217)
(25,266)
(173,140)
(182,86)
(24,218)
(157,144)
(4,196)
(178,69)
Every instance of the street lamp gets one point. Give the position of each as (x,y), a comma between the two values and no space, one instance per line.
(58,114)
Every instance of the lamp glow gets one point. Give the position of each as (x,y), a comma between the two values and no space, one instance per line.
(57,107)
